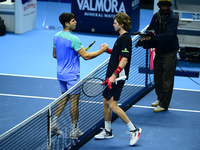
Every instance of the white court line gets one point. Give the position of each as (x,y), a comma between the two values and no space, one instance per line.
(27,96)
(56,79)
(15,75)
(37,97)
(93,102)
(135,85)
(49,98)
(187,90)
(185,110)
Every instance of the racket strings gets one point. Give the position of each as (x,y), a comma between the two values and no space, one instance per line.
(92,87)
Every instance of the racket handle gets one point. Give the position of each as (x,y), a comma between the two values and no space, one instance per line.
(90,45)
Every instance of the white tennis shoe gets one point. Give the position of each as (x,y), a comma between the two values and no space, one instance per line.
(75,134)
(134,135)
(155,103)
(160,109)
(104,135)
(55,129)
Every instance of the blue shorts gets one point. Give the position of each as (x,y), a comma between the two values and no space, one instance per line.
(66,85)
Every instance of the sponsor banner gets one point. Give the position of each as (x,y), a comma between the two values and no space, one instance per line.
(29,7)
(25,15)
(97,15)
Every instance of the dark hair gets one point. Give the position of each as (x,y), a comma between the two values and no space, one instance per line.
(66,17)
(123,18)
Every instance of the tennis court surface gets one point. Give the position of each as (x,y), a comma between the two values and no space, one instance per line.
(28,102)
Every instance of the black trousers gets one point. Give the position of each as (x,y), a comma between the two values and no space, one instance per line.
(164,70)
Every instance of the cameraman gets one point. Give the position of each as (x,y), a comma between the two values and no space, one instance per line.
(165,23)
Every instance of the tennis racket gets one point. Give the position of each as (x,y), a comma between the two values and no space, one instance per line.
(92,86)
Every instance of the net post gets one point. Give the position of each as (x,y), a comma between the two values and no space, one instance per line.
(49,129)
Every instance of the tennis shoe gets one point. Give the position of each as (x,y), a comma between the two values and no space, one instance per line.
(104,135)
(75,134)
(155,103)
(55,129)
(160,109)
(134,135)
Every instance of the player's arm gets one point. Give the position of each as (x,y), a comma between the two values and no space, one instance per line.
(54,52)
(89,55)
(121,66)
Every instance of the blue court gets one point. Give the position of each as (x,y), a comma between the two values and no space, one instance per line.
(28,83)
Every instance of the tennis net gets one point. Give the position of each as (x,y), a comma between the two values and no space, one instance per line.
(34,132)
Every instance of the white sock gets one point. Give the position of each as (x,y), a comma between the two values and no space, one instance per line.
(55,119)
(108,126)
(75,126)
(131,126)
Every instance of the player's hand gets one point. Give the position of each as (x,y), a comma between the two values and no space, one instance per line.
(104,47)
(107,82)
(146,38)
(112,79)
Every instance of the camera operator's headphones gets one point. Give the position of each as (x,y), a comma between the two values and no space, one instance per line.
(164,2)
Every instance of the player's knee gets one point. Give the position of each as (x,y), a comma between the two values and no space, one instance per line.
(113,107)
(105,102)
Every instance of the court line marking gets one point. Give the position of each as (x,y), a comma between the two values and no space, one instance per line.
(38,77)
(193,90)
(56,79)
(49,98)
(15,75)
(185,110)
(93,102)
(26,96)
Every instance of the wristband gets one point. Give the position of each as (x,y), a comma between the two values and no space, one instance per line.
(118,70)
(109,51)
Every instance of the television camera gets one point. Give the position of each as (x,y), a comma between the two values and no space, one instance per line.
(145,44)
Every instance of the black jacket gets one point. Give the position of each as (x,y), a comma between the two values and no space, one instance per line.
(167,41)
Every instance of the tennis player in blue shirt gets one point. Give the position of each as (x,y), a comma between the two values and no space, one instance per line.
(66,49)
